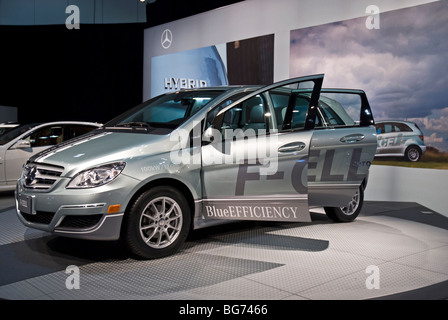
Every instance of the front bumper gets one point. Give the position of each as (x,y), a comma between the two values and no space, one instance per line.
(75,213)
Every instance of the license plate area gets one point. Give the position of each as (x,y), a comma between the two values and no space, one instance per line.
(25,204)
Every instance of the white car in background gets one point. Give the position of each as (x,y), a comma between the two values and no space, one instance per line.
(400,139)
(22,142)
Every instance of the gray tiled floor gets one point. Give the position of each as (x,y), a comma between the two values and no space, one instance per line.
(407,242)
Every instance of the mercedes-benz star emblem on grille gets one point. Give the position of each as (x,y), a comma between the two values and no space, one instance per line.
(167,38)
(30,175)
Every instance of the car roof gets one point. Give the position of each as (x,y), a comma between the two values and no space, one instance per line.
(227,88)
(412,125)
(394,121)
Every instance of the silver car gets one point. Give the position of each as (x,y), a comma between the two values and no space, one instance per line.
(20,143)
(199,157)
(400,139)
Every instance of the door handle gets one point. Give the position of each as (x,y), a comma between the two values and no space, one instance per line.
(352,138)
(292,147)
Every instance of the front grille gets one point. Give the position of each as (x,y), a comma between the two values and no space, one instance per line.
(40,176)
(80,222)
(42,217)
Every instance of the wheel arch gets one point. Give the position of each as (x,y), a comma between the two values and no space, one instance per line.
(413,145)
(170,182)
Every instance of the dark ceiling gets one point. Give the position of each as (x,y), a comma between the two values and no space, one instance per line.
(92,74)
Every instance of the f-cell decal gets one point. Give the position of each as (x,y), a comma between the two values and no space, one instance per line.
(398,140)
(327,175)
(296,176)
(303,164)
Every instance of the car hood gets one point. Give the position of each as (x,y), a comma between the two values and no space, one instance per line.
(103,147)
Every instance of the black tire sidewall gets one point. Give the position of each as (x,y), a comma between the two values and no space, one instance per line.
(336,214)
(418,151)
(131,226)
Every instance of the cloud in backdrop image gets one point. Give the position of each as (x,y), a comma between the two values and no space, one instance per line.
(401,65)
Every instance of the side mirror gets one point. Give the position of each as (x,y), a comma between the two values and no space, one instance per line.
(22,144)
(208,136)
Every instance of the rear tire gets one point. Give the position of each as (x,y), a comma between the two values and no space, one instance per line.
(413,154)
(157,223)
(350,212)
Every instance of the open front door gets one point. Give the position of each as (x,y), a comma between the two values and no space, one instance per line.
(255,165)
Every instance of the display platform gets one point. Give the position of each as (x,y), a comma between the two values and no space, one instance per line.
(394,250)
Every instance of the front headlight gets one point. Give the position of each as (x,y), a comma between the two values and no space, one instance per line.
(96,177)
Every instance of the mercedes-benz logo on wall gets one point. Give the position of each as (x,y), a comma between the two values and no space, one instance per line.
(167,38)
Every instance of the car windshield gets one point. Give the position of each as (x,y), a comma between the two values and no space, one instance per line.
(166,111)
(14,133)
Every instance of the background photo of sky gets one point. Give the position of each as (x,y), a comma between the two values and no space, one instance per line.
(403,66)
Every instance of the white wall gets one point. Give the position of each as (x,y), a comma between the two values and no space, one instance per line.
(252,18)
(428,187)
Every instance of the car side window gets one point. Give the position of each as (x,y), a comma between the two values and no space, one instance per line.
(340,109)
(388,128)
(252,116)
(212,114)
(396,128)
(271,110)
(379,128)
(46,136)
(280,102)
(401,127)
(299,112)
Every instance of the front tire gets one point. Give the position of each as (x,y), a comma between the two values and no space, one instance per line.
(157,223)
(350,212)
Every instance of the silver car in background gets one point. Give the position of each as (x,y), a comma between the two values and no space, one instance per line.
(199,157)
(400,139)
(22,142)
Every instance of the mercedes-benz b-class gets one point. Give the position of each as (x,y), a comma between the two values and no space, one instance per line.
(197,157)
